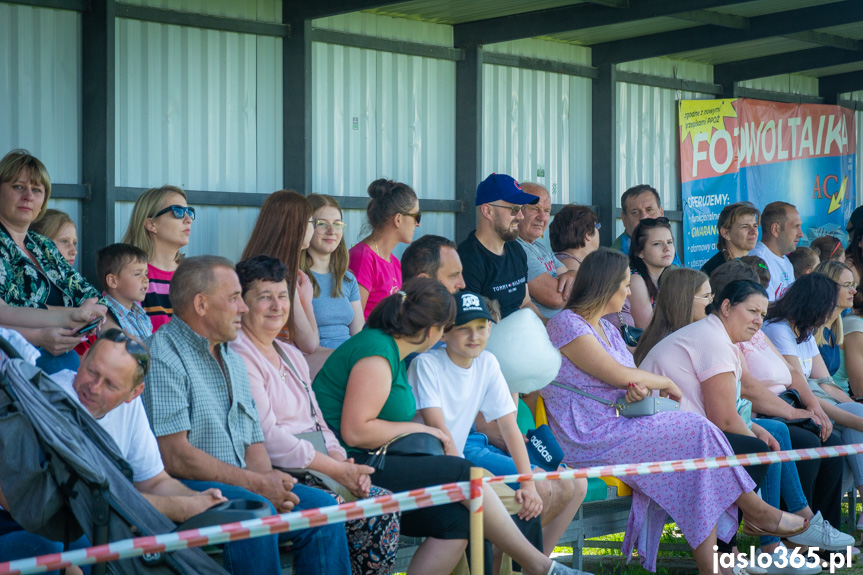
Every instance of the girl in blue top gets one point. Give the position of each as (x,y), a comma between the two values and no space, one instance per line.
(336,303)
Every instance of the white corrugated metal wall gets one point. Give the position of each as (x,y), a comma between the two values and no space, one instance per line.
(40,91)
(377,114)
(187,115)
(536,124)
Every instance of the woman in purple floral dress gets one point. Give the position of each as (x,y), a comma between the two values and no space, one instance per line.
(596,360)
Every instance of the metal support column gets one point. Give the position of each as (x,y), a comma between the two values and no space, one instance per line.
(604,155)
(468,137)
(98,227)
(297,103)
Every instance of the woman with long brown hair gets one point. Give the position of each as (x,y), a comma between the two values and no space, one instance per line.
(337,306)
(596,361)
(651,252)
(682,300)
(283,230)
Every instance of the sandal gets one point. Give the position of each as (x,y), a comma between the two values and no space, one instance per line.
(783,529)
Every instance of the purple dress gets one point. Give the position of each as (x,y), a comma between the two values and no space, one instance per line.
(590,434)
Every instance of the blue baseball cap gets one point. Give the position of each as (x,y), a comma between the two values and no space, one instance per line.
(543,449)
(498,187)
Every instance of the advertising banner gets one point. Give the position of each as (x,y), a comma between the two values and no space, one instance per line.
(751,150)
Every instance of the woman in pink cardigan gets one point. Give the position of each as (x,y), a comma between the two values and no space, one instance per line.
(289,412)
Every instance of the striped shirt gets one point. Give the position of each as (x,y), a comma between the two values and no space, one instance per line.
(187,390)
(134,321)
(157,302)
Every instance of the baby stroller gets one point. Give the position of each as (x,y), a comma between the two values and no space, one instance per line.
(63,475)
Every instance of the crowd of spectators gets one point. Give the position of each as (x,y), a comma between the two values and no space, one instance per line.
(296,376)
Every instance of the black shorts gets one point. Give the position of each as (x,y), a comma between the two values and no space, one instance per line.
(403,473)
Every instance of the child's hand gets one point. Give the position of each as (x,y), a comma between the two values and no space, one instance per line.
(531,502)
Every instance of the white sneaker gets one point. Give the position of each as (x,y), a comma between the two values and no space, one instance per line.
(558,569)
(822,535)
(782,556)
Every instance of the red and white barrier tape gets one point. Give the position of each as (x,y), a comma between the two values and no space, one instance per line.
(405,501)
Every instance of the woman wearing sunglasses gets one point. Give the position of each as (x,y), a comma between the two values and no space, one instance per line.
(394,215)
(160,225)
(651,252)
(337,306)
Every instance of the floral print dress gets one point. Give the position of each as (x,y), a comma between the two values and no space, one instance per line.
(590,433)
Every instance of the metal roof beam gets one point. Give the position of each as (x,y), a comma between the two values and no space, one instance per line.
(703,37)
(610,3)
(786,63)
(306,10)
(823,39)
(840,83)
(715,19)
(76,5)
(570,18)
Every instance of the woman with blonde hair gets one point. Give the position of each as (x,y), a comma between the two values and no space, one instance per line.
(284,228)
(35,274)
(58,227)
(160,225)
(336,302)
(394,215)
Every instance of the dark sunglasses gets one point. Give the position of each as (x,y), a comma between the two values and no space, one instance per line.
(652,222)
(417,216)
(179,212)
(135,349)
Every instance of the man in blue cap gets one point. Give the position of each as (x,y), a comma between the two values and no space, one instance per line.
(495,265)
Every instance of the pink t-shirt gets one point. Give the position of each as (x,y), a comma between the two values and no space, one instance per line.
(380,277)
(693,354)
(763,363)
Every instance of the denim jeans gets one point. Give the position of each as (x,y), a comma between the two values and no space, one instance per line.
(782,480)
(53,363)
(849,435)
(320,550)
(15,543)
(483,454)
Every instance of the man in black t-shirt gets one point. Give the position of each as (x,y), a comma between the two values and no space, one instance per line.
(494,264)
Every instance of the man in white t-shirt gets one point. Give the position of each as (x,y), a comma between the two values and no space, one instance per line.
(781,230)
(108,385)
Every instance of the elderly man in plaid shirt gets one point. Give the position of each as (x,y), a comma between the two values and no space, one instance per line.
(201,410)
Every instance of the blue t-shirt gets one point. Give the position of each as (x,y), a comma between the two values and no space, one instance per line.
(334,315)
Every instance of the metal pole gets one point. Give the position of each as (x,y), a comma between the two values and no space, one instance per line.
(476,530)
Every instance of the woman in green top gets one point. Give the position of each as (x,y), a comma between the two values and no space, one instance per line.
(364,396)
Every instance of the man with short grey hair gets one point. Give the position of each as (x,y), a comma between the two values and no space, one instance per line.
(201,410)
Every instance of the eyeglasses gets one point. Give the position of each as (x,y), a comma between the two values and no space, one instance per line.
(417,216)
(180,212)
(849,285)
(514,210)
(708,297)
(135,349)
(652,222)
(323,226)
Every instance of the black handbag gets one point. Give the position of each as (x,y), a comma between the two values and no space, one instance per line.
(792,398)
(412,444)
(630,334)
